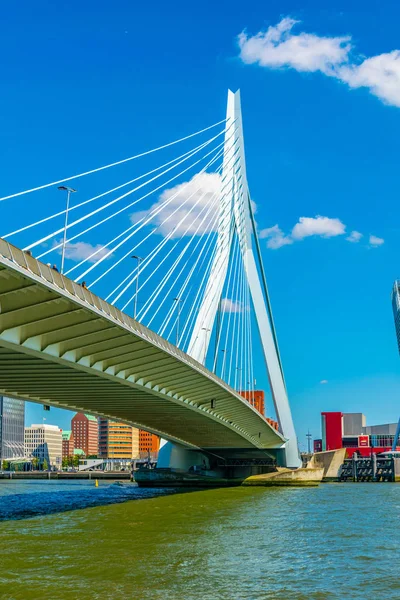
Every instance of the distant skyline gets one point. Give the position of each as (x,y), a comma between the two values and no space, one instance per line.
(86,85)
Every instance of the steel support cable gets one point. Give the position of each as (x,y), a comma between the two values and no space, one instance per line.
(143,221)
(139,225)
(208,234)
(183,340)
(151,233)
(246,341)
(243,364)
(217,216)
(150,299)
(208,206)
(170,312)
(119,162)
(235,270)
(239,314)
(162,284)
(157,291)
(62,212)
(265,287)
(228,291)
(220,258)
(237,281)
(104,206)
(216,271)
(163,205)
(250,342)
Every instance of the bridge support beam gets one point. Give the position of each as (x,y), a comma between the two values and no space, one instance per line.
(175,456)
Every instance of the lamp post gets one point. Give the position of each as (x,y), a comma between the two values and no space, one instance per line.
(139,260)
(205,343)
(69,191)
(178,301)
(223,363)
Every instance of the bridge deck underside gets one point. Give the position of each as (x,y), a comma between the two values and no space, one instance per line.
(63,346)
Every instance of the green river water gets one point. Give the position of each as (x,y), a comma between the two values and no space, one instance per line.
(338,541)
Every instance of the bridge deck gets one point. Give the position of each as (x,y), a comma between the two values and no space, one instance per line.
(61,345)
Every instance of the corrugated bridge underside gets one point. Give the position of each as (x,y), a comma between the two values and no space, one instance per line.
(62,345)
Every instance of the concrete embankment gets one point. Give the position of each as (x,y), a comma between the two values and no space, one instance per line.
(287,477)
(330,461)
(55,475)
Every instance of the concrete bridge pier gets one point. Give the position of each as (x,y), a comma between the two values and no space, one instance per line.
(174,456)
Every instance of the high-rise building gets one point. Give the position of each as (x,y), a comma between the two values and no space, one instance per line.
(44,442)
(256,399)
(117,440)
(12,428)
(68,445)
(85,430)
(396,309)
(148,442)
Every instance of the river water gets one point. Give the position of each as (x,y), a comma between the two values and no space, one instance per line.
(338,541)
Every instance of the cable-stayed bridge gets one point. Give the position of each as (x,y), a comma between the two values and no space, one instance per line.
(160,315)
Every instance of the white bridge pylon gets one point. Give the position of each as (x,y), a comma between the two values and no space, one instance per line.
(235,216)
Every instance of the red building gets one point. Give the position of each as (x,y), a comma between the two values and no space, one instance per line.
(350,431)
(148,442)
(256,399)
(332,430)
(85,430)
(68,445)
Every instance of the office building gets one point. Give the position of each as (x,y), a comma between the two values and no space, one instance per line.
(44,442)
(148,443)
(256,399)
(85,430)
(350,431)
(396,309)
(12,428)
(117,440)
(68,445)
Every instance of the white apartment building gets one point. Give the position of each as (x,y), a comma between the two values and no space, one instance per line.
(45,443)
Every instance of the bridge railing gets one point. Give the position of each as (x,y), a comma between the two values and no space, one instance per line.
(28,262)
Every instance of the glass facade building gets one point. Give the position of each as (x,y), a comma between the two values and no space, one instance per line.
(396,309)
(12,428)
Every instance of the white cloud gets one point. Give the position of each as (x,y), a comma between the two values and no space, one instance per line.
(275,236)
(81,250)
(375,241)
(354,237)
(323,381)
(322,226)
(196,195)
(278,47)
(381,74)
(231,306)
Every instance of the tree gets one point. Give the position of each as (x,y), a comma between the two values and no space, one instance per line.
(75,460)
(45,465)
(35,463)
(65,462)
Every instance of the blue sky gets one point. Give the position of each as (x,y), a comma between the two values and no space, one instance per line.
(86,84)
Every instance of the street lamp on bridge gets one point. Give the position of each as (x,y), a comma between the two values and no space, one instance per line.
(178,301)
(139,260)
(69,191)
